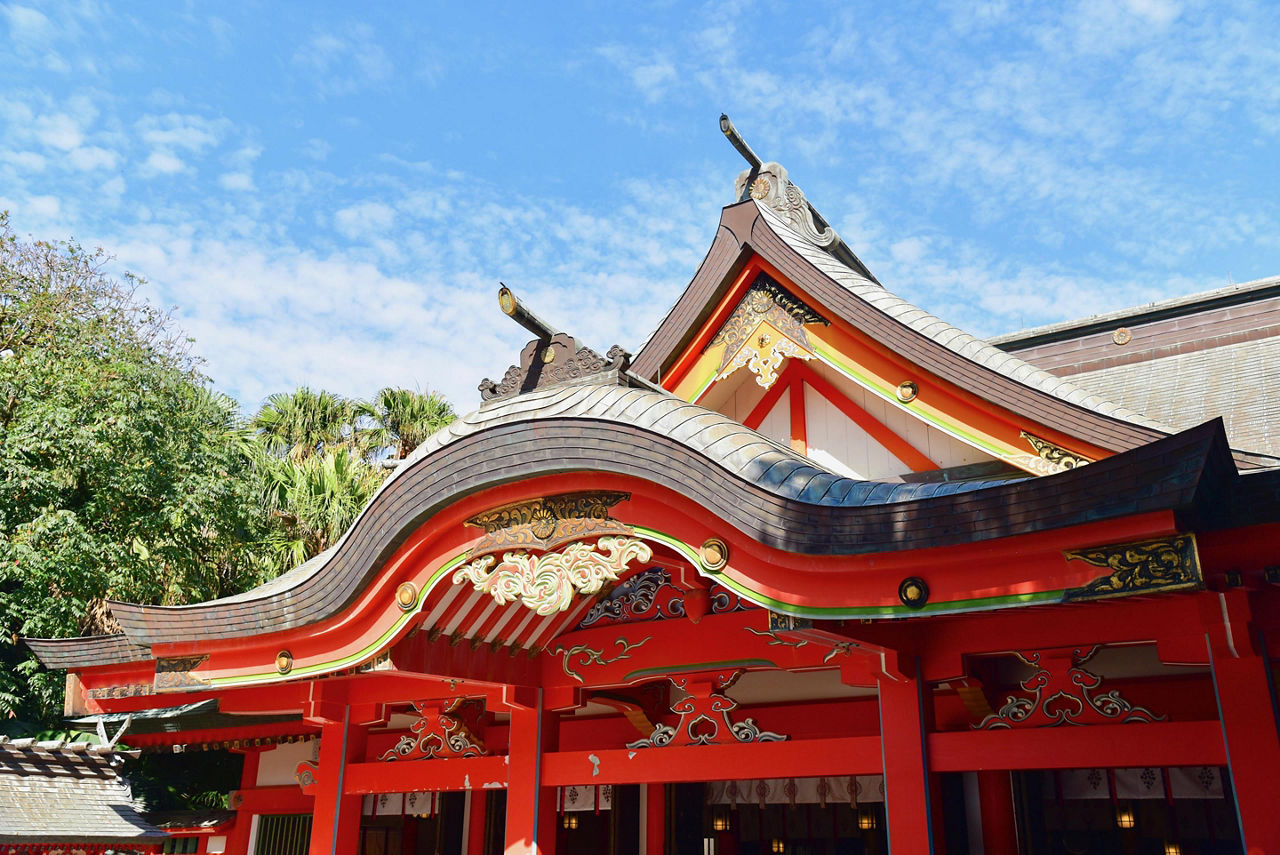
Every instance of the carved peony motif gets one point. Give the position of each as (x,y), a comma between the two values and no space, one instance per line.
(548,583)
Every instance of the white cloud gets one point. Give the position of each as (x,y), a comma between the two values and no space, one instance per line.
(92,157)
(58,131)
(316,149)
(162,162)
(181,130)
(28,161)
(364,219)
(28,25)
(238,181)
(43,207)
(345,62)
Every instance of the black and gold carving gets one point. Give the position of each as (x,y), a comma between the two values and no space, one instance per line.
(1055,454)
(766,300)
(174,674)
(549,522)
(1149,567)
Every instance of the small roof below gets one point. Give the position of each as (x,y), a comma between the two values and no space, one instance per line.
(67,792)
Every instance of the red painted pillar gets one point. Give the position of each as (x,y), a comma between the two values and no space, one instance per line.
(335,823)
(995,800)
(1248,716)
(531,807)
(238,837)
(477,802)
(910,797)
(655,819)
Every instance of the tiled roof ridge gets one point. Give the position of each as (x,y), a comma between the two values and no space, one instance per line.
(1189,304)
(953,338)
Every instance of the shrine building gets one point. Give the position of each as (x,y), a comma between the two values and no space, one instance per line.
(813,572)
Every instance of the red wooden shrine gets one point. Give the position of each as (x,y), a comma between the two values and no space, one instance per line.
(813,572)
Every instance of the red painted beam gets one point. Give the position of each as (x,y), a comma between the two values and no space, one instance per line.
(799,426)
(1185,743)
(287,799)
(415,776)
(854,755)
(766,404)
(881,433)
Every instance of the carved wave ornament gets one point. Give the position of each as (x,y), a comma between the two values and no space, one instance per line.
(1051,458)
(772,187)
(548,583)
(548,522)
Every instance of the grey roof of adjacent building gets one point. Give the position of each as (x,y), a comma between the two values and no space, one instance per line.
(1240,382)
(67,792)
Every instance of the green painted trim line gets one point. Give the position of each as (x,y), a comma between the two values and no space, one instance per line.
(705,385)
(835,360)
(660,670)
(353,659)
(839,612)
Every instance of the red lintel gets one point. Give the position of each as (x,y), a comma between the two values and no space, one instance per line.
(1184,743)
(416,776)
(801,758)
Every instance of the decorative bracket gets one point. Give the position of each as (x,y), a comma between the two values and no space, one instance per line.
(547,583)
(443,729)
(766,327)
(704,716)
(1063,692)
(1148,567)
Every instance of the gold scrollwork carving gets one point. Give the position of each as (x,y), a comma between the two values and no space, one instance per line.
(1151,566)
(1054,454)
(547,583)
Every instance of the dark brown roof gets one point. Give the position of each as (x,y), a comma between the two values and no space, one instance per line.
(776,496)
(924,339)
(75,652)
(59,792)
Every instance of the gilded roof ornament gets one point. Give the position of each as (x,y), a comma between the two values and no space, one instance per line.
(769,185)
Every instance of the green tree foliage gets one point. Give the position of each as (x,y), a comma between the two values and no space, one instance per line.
(317,464)
(121,474)
(301,423)
(402,419)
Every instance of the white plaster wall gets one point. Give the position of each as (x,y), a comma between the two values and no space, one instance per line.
(275,769)
(777,425)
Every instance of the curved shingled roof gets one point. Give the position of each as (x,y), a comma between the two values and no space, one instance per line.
(763,489)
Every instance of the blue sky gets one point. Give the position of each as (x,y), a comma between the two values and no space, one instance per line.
(329,193)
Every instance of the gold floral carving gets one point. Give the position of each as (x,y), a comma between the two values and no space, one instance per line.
(1056,455)
(766,327)
(548,583)
(547,523)
(1152,566)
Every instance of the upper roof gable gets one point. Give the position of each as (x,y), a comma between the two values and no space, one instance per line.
(754,232)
